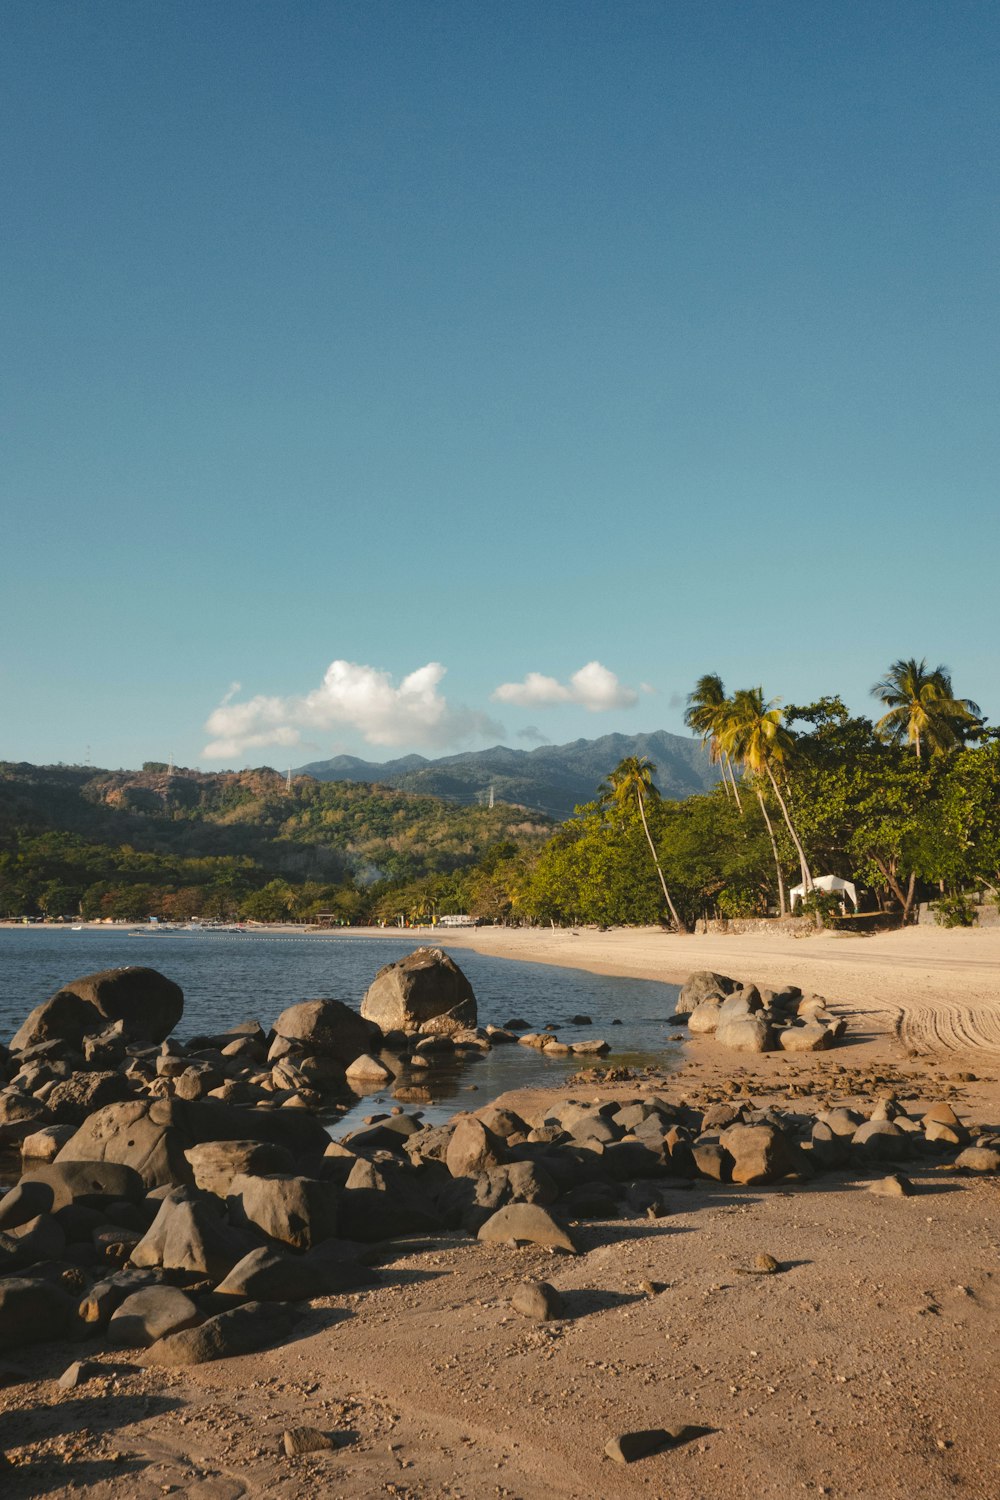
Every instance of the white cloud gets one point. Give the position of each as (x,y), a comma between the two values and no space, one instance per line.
(353,696)
(593,688)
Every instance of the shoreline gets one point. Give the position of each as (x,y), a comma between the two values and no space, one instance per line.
(857,1369)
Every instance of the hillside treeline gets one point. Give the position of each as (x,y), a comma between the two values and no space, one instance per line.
(907,806)
(179,844)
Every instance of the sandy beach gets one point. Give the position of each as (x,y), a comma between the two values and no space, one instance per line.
(866,1367)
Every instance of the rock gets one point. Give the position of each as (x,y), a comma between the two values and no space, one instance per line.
(391,1202)
(829,1149)
(595,1047)
(152,1136)
(32,1310)
(327,1028)
(25,1201)
(147,1003)
(761,1153)
(502,1122)
(712,1161)
(78,1374)
(90,1184)
(537,1299)
(808,1037)
(298,1211)
(424,986)
(153,1313)
(296,1440)
(630,1446)
(749,1033)
(369,1070)
(214,1164)
(44,1145)
(95,1309)
(272,1275)
(704,1019)
(41,1238)
(882,1140)
(191,1236)
(895,1186)
(72,1100)
(978,1159)
(741,1003)
(473,1148)
(530,1222)
(20,1116)
(241,1330)
(764,1264)
(698,987)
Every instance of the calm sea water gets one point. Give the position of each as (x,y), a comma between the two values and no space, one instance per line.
(228,978)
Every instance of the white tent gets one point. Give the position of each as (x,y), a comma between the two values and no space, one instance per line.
(825,883)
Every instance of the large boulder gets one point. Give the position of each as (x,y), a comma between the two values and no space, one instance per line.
(148,1004)
(242,1330)
(298,1211)
(153,1135)
(699,986)
(423,987)
(745,1034)
(761,1153)
(327,1028)
(32,1309)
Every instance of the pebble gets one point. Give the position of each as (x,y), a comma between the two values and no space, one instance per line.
(296,1440)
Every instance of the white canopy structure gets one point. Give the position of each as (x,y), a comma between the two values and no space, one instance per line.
(825,883)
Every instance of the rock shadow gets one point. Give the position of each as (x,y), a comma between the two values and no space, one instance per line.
(586,1301)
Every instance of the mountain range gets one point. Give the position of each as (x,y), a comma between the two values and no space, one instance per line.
(552,779)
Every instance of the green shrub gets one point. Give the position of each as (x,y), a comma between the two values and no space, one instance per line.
(954,911)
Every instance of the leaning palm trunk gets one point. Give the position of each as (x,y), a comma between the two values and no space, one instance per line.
(728,766)
(807,879)
(656,861)
(774,850)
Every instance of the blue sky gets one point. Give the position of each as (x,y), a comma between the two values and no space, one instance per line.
(450,343)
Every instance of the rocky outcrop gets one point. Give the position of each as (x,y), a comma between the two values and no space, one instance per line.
(425,987)
(326,1028)
(147,1004)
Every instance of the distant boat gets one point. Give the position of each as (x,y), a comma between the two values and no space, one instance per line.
(77,927)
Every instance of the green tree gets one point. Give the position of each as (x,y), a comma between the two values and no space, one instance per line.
(631,783)
(706,713)
(922,708)
(755,736)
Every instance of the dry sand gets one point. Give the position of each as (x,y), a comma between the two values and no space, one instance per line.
(866,1369)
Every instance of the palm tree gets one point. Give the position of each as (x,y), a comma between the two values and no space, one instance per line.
(756,738)
(706,715)
(632,781)
(923,709)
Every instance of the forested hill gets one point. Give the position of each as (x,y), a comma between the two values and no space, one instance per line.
(73,828)
(552,779)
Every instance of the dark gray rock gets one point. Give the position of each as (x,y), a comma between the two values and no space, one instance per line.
(215,1163)
(698,987)
(32,1310)
(152,1313)
(527,1222)
(425,986)
(473,1148)
(327,1028)
(539,1300)
(148,1005)
(761,1153)
(72,1100)
(25,1201)
(273,1275)
(89,1184)
(298,1211)
(242,1330)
